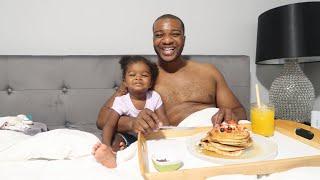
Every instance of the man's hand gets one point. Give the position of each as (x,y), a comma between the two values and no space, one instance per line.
(224,114)
(146,122)
(122,90)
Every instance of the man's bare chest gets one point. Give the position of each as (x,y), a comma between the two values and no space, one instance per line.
(179,90)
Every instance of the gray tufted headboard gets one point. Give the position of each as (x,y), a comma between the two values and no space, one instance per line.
(68,91)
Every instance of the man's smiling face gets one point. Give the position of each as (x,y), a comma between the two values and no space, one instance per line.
(168,39)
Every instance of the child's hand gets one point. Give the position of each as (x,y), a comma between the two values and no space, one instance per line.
(104,155)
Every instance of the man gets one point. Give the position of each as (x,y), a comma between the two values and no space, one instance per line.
(185,86)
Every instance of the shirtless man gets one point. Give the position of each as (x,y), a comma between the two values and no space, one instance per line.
(185,86)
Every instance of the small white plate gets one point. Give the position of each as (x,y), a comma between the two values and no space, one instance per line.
(262,149)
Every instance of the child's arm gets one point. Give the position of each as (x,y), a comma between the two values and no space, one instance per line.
(110,127)
(162,115)
(106,108)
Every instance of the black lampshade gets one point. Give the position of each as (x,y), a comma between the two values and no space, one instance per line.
(289,32)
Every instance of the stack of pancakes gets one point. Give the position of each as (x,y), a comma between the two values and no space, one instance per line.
(228,140)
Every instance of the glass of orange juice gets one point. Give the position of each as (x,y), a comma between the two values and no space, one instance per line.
(262,119)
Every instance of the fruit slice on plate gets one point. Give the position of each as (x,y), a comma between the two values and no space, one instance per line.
(164,163)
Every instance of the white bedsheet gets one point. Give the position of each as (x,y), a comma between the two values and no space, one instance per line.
(71,151)
(54,145)
(79,169)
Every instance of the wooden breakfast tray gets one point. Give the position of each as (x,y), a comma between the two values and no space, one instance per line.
(269,166)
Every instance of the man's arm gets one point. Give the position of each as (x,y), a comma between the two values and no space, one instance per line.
(226,101)
(162,115)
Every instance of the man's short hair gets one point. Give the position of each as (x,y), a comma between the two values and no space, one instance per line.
(170,16)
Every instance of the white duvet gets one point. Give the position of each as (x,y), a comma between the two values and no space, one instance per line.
(58,154)
(64,154)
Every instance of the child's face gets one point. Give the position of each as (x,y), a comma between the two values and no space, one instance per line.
(138,77)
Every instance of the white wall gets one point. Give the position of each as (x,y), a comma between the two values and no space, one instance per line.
(82,27)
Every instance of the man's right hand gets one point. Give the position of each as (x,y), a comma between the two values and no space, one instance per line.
(122,90)
(146,122)
(224,114)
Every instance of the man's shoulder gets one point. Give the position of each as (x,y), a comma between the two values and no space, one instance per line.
(205,69)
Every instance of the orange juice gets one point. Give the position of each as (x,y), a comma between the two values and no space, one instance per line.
(262,119)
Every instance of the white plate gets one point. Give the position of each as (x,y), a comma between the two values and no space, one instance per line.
(262,149)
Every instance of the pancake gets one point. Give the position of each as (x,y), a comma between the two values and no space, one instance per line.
(222,147)
(228,140)
(242,142)
(245,144)
(221,152)
(233,134)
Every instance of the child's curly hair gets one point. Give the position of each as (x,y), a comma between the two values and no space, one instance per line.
(125,61)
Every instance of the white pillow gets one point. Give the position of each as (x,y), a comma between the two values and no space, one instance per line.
(54,144)
(199,119)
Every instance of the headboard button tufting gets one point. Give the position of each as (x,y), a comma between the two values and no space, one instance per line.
(9,90)
(67,124)
(64,90)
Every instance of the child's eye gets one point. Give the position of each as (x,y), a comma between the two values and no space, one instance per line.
(145,75)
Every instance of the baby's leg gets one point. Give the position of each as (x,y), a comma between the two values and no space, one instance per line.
(118,143)
(105,156)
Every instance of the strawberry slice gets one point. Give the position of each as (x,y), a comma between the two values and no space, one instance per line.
(232,121)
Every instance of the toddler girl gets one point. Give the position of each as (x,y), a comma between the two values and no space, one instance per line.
(139,76)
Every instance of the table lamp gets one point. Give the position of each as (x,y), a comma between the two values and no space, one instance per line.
(290,35)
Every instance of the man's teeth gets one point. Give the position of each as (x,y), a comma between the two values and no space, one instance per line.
(168,50)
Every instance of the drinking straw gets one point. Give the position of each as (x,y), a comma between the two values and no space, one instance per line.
(258,96)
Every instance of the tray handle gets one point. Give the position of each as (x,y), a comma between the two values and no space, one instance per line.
(289,128)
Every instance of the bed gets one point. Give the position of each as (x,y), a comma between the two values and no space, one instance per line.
(66,93)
